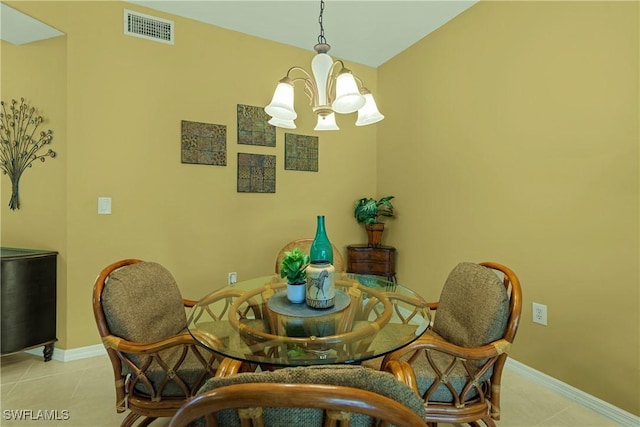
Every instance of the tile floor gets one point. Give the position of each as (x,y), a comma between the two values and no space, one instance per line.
(84,389)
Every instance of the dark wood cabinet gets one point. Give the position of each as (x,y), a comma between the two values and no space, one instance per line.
(28,280)
(376,260)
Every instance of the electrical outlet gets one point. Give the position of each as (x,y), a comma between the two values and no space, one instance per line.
(232,278)
(540,313)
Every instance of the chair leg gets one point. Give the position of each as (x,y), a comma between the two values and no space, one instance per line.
(147,421)
(488,421)
(495,402)
(130,419)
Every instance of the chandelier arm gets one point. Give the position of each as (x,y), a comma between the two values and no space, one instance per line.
(310,88)
(362,87)
(311,91)
(298,68)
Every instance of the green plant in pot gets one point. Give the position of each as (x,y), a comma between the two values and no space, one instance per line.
(369,211)
(294,267)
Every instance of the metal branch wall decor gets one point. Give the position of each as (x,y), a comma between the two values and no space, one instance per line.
(19,143)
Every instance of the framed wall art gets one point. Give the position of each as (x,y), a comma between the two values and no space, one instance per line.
(300,152)
(256,173)
(253,128)
(203,143)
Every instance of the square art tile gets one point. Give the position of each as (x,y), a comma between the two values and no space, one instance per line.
(253,128)
(204,143)
(300,152)
(256,173)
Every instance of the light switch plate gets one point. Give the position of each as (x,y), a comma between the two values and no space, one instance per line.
(104,205)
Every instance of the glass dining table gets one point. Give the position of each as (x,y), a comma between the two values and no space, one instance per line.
(252,321)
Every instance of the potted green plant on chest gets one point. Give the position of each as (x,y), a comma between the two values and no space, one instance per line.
(294,267)
(369,211)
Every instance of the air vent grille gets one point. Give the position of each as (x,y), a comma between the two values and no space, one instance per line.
(148,27)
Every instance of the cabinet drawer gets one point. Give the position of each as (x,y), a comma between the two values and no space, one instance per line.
(380,261)
(378,269)
(373,255)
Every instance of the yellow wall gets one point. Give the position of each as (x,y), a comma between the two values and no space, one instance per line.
(514,138)
(37,73)
(125,99)
(511,135)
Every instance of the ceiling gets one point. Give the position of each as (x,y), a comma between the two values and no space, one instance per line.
(18,28)
(368,32)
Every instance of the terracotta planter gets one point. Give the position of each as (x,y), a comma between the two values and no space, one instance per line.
(374,233)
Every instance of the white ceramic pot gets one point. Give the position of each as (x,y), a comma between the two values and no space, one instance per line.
(296,293)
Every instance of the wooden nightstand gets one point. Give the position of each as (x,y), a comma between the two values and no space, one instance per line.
(379,261)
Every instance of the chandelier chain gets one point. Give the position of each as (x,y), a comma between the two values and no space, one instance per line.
(321,39)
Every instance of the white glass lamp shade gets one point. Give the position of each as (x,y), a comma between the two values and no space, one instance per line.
(348,97)
(281,106)
(369,113)
(327,122)
(287,124)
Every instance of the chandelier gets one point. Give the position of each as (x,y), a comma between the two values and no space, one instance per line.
(333,89)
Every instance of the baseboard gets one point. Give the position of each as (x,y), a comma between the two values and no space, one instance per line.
(62,355)
(607,410)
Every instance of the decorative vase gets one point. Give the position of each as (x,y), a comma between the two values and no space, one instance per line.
(321,248)
(321,289)
(296,292)
(374,233)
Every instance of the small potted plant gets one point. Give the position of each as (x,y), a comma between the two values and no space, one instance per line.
(368,211)
(294,267)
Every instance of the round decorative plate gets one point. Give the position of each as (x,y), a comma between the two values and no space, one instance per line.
(280,304)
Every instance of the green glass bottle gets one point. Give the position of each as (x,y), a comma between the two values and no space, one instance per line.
(321,249)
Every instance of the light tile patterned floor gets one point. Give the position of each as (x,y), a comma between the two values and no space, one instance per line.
(85,389)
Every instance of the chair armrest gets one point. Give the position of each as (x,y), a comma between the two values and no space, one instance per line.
(229,367)
(120,344)
(431,342)
(189,302)
(403,373)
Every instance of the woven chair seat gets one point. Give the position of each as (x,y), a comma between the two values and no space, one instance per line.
(339,375)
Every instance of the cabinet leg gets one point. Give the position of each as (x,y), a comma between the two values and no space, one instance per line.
(48,352)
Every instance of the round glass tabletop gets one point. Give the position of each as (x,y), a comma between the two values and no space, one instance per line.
(252,321)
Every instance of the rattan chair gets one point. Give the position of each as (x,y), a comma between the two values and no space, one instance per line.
(141,318)
(304,245)
(456,366)
(304,396)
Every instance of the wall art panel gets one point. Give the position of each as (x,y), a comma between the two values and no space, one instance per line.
(300,152)
(253,128)
(256,173)
(204,143)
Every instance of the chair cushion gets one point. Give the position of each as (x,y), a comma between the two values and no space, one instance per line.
(344,375)
(473,308)
(142,303)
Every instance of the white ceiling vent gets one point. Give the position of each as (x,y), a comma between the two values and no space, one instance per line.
(148,27)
